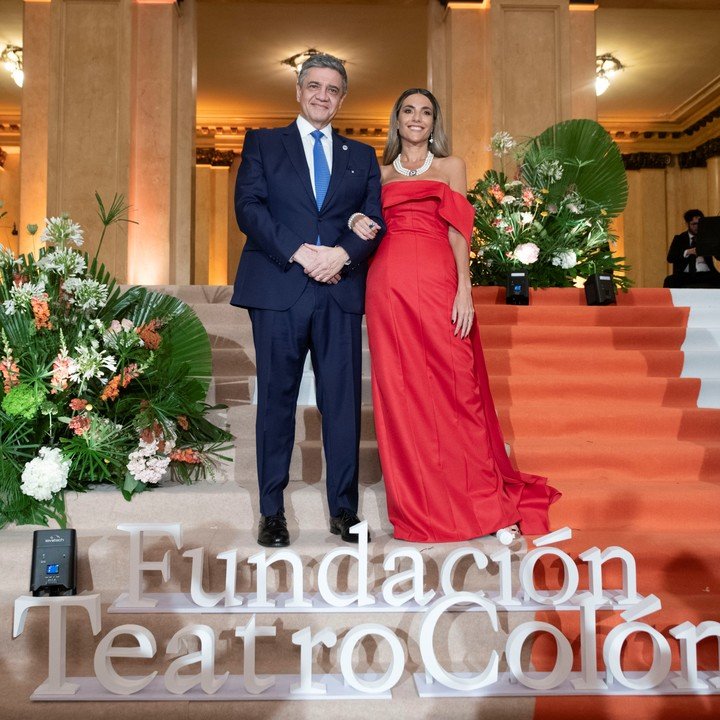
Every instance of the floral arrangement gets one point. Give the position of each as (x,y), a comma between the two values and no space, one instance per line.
(553,220)
(96,385)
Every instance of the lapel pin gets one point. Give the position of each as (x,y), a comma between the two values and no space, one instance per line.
(344,147)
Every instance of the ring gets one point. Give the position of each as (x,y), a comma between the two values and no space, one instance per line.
(371,225)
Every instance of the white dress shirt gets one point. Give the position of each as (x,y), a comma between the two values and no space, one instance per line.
(308,142)
(700,264)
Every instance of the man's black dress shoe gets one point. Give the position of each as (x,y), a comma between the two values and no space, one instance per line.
(341,525)
(273,531)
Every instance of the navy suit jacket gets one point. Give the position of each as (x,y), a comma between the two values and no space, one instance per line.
(276,209)
(676,254)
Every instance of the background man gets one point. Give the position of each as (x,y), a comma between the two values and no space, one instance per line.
(302,272)
(689,268)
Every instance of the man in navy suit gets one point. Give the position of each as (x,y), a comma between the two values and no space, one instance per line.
(690,269)
(309,202)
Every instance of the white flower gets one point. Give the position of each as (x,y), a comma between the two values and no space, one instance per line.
(61,230)
(9,307)
(526,218)
(146,464)
(512,184)
(526,253)
(46,474)
(65,261)
(550,170)
(24,292)
(501,143)
(508,199)
(565,259)
(6,257)
(87,294)
(92,363)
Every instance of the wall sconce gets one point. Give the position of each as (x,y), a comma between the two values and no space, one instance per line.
(11,58)
(295,62)
(605,67)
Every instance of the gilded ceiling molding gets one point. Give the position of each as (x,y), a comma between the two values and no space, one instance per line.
(214,157)
(701,154)
(647,161)
(631,130)
(3,158)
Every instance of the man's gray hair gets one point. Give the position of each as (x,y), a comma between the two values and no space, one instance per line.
(321,60)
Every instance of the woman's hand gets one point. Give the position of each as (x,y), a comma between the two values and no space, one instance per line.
(463,312)
(364,227)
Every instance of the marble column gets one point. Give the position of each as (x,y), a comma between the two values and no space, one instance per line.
(162,159)
(109,106)
(89,117)
(508,65)
(211,225)
(583,51)
(35,119)
(713,186)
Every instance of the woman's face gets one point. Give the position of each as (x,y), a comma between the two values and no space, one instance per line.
(415,119)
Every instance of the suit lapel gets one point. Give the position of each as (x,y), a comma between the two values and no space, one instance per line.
(340,163)
(294,148)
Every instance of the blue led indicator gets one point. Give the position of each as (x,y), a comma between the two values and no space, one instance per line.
(53,569)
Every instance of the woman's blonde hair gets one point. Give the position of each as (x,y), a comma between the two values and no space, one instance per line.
(440,146)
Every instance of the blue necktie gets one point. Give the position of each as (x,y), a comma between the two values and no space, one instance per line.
(322,171)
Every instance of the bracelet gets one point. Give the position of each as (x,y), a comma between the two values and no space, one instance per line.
(353,218)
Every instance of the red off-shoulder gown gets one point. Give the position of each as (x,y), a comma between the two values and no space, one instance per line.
(446,472)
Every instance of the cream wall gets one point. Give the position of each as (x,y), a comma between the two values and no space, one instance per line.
(656,203)
(10,195)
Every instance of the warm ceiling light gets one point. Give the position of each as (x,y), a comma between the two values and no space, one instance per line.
(605,67)
(11,58)
(295,62)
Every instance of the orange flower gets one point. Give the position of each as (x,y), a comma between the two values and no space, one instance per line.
(182,421)
(10,373)
(41,312)
(154,433)
(78,404)
(112,389)
(149,334)
(79,424)
(186,455)
(129,374)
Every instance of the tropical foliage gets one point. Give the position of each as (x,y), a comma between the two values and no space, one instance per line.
(97,385)
(553,220)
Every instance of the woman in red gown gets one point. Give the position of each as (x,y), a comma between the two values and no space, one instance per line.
(447,475)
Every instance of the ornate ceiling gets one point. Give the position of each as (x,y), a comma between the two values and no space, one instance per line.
(670,48)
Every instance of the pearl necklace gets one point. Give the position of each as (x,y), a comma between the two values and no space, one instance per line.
(412,173)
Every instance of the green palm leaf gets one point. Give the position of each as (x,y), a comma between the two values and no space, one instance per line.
(185,342)
(591,163)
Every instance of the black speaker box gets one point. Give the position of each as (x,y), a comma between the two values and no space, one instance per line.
(54,566)
(600,290)
(518,289)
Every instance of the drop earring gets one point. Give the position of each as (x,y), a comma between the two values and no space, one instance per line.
(431,140)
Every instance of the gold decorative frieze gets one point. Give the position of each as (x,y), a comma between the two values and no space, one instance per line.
(3,158)
(214,157)
(228,133)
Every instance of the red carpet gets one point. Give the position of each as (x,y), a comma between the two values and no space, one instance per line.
(592,398)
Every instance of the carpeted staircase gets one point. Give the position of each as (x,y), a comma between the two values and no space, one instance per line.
(597,399)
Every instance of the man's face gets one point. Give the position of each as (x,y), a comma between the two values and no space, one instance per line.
(320,96)
(693,225)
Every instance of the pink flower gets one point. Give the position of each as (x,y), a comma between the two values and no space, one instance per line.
(496,191)
(63,367)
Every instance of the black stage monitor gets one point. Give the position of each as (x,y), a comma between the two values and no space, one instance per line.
(54,568)
(708,238)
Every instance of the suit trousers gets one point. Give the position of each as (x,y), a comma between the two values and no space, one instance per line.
(317,324)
